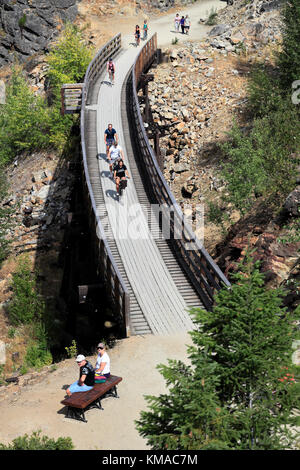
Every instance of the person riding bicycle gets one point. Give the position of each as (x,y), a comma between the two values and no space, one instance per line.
(111,68)
(120,173)
(115,153)
(110,134)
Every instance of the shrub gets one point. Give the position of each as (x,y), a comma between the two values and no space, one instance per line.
(24,120)
(212,18)
(37,442)
(68,60)
(26,305)
(238,391)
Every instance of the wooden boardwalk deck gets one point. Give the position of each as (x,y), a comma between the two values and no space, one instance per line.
(160,293)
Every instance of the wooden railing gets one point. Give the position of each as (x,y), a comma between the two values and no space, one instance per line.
(203,272)
(106,265)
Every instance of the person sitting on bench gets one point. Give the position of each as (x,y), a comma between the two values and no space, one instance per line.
(86,376)
(102,368)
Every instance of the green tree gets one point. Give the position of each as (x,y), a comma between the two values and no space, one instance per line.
(289,58)
(236,378)
(68,60)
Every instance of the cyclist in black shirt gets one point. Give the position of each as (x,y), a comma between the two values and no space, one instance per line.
(120,173)
(110,135)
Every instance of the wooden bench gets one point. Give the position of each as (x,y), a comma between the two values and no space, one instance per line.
(79,402)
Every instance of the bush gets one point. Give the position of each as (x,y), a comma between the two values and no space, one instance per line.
(68,60)
(37,442)
(289,58)
(26,305)
(212,18)
(261,162)
(28,308)
(24,120)
(27,122)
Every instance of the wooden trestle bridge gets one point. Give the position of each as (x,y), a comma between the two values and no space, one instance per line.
(151,279)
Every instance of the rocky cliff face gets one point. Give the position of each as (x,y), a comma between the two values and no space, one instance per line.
(27,26)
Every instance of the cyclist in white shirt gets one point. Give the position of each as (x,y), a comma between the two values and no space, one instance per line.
(115,152)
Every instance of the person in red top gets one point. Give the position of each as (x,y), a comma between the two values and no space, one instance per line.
(111,68)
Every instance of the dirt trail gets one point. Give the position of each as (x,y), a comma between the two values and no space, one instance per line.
(135,359)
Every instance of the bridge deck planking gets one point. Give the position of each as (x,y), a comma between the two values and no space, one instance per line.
(156,292)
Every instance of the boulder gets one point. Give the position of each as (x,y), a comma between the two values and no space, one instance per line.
(219,29)
(292,203)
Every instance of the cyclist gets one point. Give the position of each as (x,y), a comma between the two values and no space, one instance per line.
(120,173)
(111,68)
(110,135)
(115,152)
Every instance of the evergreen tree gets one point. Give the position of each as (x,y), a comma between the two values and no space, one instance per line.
(289,58)
(237,392)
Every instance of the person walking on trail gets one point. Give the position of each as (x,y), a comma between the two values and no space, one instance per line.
(177,22)
(187,24)
(145,30)
(137,35)
(110,134)
(182,24)
(102,367)
(86,376)
(115,153)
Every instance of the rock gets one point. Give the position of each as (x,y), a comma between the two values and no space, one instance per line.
(39,29)
(43,193)
(292,203)
(181,167)
(2,90)
(219,29)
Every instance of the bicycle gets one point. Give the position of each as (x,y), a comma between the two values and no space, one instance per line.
(122,187)
(111,77)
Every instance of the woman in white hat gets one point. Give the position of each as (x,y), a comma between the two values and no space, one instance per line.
(86,376)
(102,367)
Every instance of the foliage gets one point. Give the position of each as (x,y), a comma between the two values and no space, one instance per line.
(212,18)
(26,305)
(68,60)
(289,57)
(27,123)
(37,442)
(231,396)
(28,308)
(72,350)
(24,120)
(261,162)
